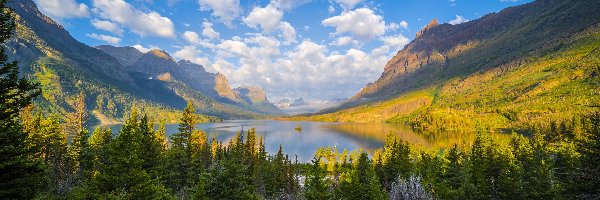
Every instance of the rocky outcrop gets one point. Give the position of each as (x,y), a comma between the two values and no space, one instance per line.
(154,62)
(251,94)
(125,55)
(224,90)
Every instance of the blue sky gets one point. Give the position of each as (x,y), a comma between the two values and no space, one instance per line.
(316,49)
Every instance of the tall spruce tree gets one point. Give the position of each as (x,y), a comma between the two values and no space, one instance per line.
(588,174)
(21,174)
(317,185)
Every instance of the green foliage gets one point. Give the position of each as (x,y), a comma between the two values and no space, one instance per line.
(21,175)
(317,185)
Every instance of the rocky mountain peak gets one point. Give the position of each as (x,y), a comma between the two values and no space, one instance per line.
(125,55)
(432,23)
(161,54)
(154,62)
(251,93)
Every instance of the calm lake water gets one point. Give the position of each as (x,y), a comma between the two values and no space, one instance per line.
(304,143)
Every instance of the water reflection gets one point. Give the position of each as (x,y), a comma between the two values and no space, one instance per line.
(312,135)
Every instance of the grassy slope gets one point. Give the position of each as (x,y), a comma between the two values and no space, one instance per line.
(556,86)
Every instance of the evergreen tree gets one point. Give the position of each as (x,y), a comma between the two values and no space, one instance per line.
(183,168)
(21,174)
(361,182)
(124,176)
(588,174)
(317,185)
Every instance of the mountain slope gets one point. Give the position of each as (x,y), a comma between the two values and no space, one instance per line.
(65,68)
(441,52)
(527,65)
(126,56)
(183,77)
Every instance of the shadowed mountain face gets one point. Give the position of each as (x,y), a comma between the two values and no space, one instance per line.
(41,37)
(113,79)
(442,51)
(127,56)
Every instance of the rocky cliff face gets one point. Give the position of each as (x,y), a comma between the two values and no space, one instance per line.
(441,52)
(125,55)
(197,77)
(251,94)
(154,62)
(257,97)
(224,90)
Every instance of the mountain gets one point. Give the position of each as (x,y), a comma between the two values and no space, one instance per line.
(154,62)
(442,51)
(126,56)
(161,65)
(256,97)
(526,65)
(113,79)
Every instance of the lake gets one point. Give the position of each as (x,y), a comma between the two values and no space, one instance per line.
(343,135)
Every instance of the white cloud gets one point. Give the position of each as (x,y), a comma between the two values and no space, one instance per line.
(342,41)
(380,51)
(404,24)
(225,10)
(348,4)
(191,37)
(361,23)
(63,9)
(268,18)
(331,9)
(194,38)
(208,31)
(458,20)
(141,48)
(288,33)
(108,39)
(142,23)
(309,70)
(107,26)
(397,42)
(288,4)
(230,48)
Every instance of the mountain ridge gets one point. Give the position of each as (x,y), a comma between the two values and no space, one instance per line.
(66,67)
(525,66)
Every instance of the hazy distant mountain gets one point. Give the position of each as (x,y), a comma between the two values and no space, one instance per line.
(114,78)
(256,97)
(301,106)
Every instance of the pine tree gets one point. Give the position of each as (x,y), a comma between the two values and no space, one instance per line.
(79,154)
(21,174)
(151,147)
(180,165)
(317,185)
(588,175)
(361,182)
(124,177)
